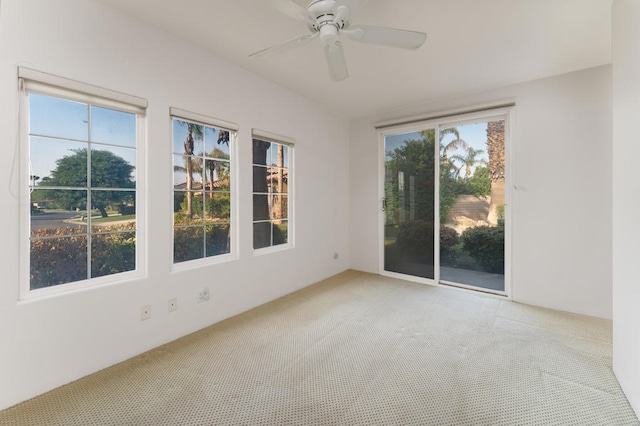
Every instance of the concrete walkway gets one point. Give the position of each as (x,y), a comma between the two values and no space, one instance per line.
(474,278)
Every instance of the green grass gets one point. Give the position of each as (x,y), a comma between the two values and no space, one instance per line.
(115,218)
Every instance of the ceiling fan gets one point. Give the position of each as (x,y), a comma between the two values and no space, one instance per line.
(328,20)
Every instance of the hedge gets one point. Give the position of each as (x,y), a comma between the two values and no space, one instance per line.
(485,244)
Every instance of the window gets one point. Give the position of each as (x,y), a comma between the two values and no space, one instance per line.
(83,153)
(202,186)
(271,190)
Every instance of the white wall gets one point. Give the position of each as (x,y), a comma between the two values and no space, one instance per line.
(46,343)
(626,196)
(561,215)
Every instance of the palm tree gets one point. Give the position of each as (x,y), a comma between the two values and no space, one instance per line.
(261,234)
(219,168)
(279,205)
(495,150)
(470,159)
(447,168)
(194,131)
(453,144)
(193,164)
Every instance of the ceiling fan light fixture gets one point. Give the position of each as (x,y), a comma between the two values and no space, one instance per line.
(328,34)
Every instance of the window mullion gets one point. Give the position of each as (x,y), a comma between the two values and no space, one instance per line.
(89,195)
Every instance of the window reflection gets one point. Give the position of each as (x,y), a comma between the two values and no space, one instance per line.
(271,189)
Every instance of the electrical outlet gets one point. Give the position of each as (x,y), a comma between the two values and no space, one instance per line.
(203,296)
(173,305)
(145,312)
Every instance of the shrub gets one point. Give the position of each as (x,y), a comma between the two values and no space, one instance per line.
(478,184)
(114,252)
(500,213)
(280,234)
(448,192)
(416,237)
(178,199)
(126,210)
(57,260)
(188,242)
(217,239)
(218,206)
(59,255)
(485,244)
(449,238)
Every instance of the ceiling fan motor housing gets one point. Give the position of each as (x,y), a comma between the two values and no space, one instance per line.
(325,19)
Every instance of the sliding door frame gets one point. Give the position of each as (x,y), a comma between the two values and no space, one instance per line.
(439,121)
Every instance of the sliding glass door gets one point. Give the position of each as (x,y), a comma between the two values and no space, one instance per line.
(409,194)
(472,204)
(444,202)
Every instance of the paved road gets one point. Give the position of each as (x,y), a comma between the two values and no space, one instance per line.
(52,220)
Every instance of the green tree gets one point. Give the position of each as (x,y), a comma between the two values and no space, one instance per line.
(449,172)
(107,171)
(479,184)
(413,160)
(470,159)
(416,158)
(447,148)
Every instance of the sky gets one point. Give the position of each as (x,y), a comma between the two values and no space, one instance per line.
(206,144)
(57,127)
(474,134)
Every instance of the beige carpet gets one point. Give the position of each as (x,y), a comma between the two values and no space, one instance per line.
(359,349)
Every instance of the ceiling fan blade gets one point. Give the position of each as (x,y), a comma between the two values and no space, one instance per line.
(336,61)
(386,36)
(292,9)
(342,16)
(353,5)
(283,47)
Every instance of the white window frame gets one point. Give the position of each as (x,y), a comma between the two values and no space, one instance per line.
(31,81)
(232,128)
(290,143)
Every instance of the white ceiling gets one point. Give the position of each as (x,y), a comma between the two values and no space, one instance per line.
(472,45)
